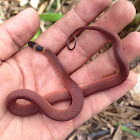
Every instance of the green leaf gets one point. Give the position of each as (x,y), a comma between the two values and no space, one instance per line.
(51,17)
(133,132)
(36,35)
(126,129)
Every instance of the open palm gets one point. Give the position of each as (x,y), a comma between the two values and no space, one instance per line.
(26,68)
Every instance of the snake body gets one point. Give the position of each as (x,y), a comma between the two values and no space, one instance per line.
(72,90)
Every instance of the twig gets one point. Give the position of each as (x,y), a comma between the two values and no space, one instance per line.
(104,132)
(42,7)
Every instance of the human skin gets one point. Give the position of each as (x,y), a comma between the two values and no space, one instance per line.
(29,69)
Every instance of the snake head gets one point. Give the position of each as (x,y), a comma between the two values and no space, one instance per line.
(35,46)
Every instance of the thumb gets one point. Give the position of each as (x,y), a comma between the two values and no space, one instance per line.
(17,31)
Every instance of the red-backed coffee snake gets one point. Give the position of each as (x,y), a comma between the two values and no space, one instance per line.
(43,104)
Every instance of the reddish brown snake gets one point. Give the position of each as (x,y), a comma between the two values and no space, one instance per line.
(43,104)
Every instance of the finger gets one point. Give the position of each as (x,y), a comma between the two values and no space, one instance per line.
(85,12)
(94,71)
(90,41)
(17,31)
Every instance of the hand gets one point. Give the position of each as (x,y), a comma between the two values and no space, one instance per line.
(29,69)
